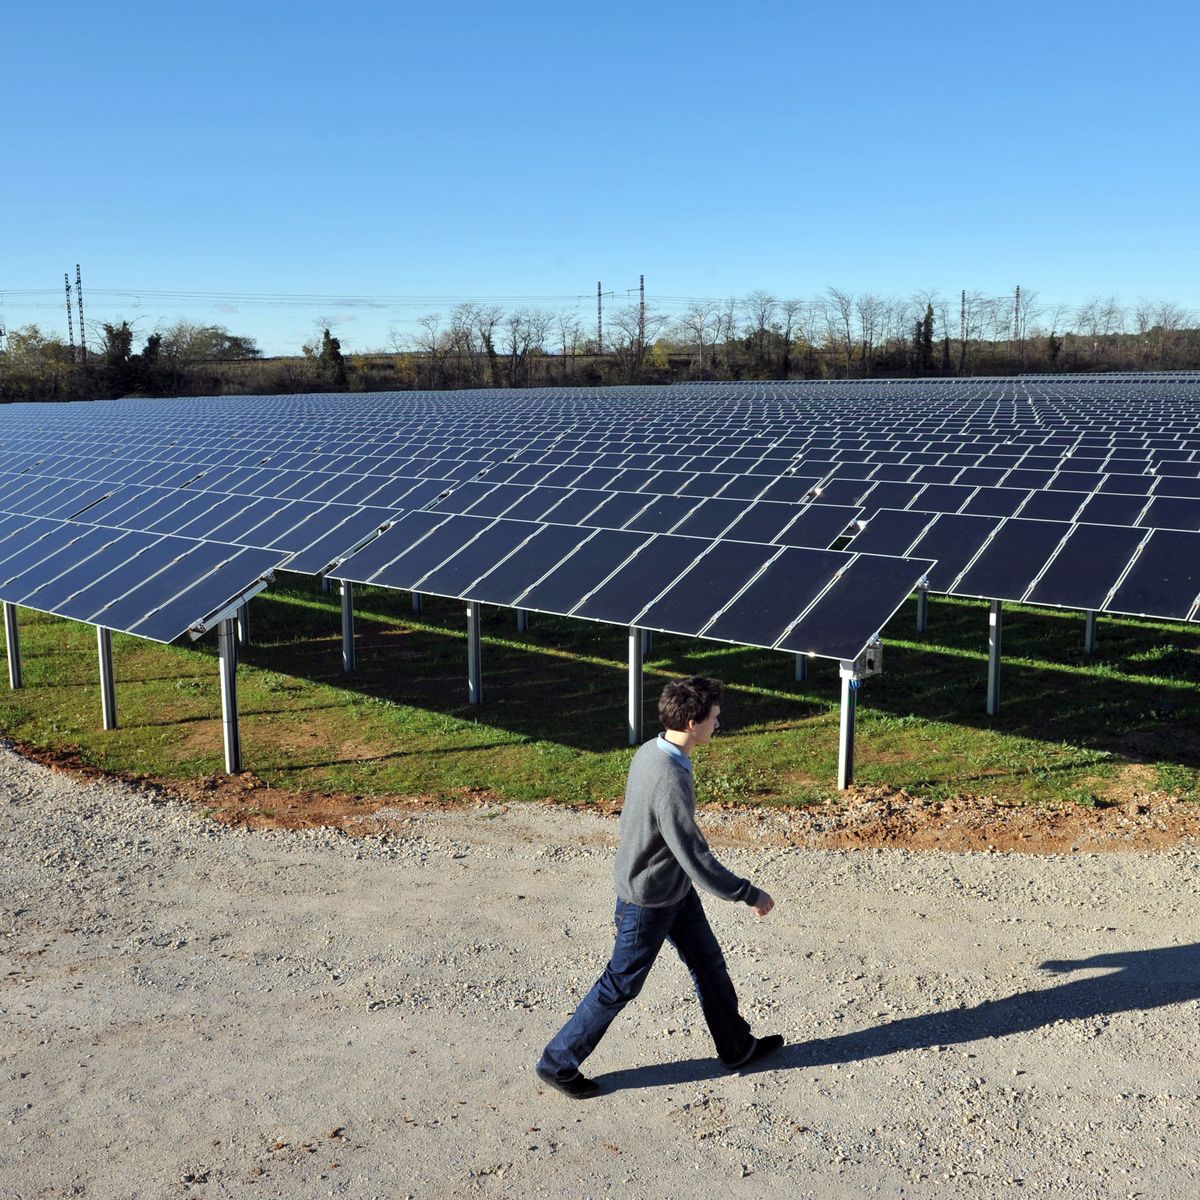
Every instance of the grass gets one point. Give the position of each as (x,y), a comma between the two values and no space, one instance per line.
(553,722)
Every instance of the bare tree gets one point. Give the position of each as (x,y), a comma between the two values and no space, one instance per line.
(791,314)
(726,330)
(759,309)
(632,331)
(570,337)
(526,332)
(430,341)
(868,309)
(699,325)
(839,317)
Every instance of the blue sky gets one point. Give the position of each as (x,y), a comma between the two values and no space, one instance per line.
(319,156)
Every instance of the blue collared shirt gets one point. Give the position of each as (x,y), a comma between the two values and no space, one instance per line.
(675,752)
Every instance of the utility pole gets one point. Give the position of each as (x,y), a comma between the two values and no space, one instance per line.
(641,319)
(79,297)
(962,334)
(70,327)
(599,318)
(1017,323)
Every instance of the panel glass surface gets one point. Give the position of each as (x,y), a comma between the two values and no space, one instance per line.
(1051,506)
(1085,569)
(1011,560)
(421,558)
(890,532)
(572,508)
(619,507)
(761,614)
(33,544)
(322,550)
(761,522)
(82,542)
(1111,509)
(1169,512)
(389,545)
(995,502)
(208,593)
(497,501)
(818,525)
(843,491)
(195,559)
(889,495)
(712,516)
(478,557)
(1164,581)
(694,599)
(791,489)
(643,577)
(507,580)
(149,554)
(120,547)
(856,607)
(953,540)
(585,570)
(941,497)
(662,514)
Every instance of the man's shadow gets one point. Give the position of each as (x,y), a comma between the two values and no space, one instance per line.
(1135,980)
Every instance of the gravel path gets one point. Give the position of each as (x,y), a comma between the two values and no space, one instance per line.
(192,1010)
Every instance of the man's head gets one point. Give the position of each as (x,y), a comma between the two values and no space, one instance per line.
(688,706)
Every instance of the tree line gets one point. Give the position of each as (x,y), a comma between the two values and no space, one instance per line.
(836,335)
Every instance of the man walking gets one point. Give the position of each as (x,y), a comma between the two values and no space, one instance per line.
(661,856)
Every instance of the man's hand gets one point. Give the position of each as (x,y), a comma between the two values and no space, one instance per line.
(764,905)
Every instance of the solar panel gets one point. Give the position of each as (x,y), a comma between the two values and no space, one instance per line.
(953,540)
(863,597)
(1163,580)
(626,592)
(695,597)
(1085,570)
(515,575)
(767,608)
(1011,559)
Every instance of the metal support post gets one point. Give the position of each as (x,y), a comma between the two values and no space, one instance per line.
(108,687)
(349,653)
(522,620)
(846,730)
(325,585)
(801,667)
(416,602)
(227,644)
(647,641)
(243,625)
(995,627)
(922,609)
(1089,634)
(474,663)
(12,643)
(636,706)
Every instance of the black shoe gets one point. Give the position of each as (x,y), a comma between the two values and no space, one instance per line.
(763,1047)
(579,1088)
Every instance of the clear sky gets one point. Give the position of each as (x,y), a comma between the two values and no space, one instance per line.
(365,163)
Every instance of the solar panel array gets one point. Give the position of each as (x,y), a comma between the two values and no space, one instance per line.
(718,510)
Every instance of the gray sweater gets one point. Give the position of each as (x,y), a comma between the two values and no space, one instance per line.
(662,852)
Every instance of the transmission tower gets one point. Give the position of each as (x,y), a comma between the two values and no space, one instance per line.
(70,327)
(599,318)
(79,297)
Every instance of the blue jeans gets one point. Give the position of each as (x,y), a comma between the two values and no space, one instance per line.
(641,932)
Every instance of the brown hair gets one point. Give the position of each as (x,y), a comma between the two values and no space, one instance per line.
(685,700)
